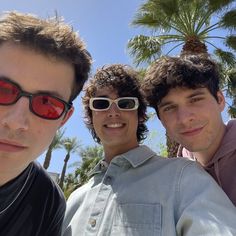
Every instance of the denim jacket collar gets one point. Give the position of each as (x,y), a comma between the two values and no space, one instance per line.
(135,157)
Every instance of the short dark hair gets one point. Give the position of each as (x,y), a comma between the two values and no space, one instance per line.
(190,71)
(51,37)
(124,80)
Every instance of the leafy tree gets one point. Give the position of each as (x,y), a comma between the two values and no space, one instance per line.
(71,145)
(191,26)
(55,144)
(152,141)
(90,157)
(70,184)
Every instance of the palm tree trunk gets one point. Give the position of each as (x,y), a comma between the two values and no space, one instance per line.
(47,158)
(64,170)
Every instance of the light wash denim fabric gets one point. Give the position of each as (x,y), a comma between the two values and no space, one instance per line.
(141,194)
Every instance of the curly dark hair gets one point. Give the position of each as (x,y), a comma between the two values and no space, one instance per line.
(50,37)
(124,80)
(190,71)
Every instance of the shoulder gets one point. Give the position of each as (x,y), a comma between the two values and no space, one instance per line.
(231,124)
(75,201)
(42,175)
(46,184)
(175,164)
(78,195)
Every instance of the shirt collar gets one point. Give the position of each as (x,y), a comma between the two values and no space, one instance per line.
(135,157)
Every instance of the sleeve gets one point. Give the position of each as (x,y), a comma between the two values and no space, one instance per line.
(203,207)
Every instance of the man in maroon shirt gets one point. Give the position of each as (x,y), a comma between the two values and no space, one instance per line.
(185,93)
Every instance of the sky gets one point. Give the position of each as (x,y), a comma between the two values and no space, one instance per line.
(104,25)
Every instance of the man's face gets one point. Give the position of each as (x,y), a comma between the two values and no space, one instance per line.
(116,128)
(23,135)
(193,118)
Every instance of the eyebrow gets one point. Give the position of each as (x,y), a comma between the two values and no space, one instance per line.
(102,96)
(53,93)
(195,93)
(163,104)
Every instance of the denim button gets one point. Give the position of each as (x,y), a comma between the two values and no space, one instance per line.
(108,179)
(92,222)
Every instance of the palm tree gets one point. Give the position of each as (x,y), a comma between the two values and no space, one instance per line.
(71,145)
(90,157)
(231,90)
(55,144)
(70,184)
(190,25)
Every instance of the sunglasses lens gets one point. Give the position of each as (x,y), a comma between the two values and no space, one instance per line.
(126,103)
(47,107)
(101,104)
(8,93)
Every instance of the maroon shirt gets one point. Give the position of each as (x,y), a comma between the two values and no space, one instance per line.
(222,166)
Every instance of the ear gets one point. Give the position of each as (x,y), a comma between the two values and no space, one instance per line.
(67,116)
(221,100)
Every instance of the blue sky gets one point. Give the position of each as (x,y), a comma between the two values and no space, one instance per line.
(105,27)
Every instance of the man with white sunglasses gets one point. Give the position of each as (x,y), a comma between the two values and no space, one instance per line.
(43,66)
(133,191)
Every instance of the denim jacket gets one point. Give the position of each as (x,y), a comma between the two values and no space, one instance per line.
(141,194)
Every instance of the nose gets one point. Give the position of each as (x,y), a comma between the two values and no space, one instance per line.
(17,115)
(185,115)
(113,111)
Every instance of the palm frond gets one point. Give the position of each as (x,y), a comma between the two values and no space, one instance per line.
(219,5)
(144,48)
(226,57)
(229,20)
(232,111)
(169,7)
(231,41)
(71,144)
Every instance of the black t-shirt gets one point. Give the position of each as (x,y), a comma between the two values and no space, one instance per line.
(39,208)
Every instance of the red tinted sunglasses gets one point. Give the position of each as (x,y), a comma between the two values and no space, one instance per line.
(43,105)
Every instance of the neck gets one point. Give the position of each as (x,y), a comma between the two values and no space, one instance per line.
(8,175)
(112,152)
(205,156)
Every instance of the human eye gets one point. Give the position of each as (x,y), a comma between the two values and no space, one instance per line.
(196,99)
(168,108)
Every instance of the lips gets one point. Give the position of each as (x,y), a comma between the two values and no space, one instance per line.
(114,125)
(10,146)
(192,132)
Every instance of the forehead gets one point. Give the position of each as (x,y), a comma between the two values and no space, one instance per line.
(35,72)
(106,92)
(176,94)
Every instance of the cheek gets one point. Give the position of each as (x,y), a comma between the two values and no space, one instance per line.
(95,120)
(46,131)
(164,121)
(133,118)
(168,124)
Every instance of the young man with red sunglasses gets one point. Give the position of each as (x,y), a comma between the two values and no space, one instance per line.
(133,191)
(43,66)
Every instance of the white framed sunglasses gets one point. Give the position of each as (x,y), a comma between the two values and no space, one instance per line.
(123,103)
